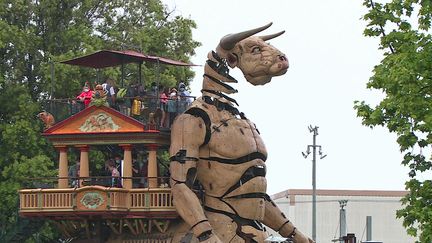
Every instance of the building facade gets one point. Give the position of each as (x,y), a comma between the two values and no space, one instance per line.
(380,205)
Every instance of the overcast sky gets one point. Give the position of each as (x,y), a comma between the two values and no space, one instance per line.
(330,64)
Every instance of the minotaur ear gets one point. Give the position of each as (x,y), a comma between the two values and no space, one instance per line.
(232,60)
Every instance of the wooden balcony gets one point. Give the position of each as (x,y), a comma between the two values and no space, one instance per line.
(97,201)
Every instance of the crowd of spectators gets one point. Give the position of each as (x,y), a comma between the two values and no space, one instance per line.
(135,101)
(112,173)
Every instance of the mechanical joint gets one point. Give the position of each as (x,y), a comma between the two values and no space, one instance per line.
(181,157)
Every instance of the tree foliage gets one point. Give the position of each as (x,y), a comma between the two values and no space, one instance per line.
(34,36)
(405,77)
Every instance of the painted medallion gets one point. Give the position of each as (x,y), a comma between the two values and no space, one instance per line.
(100,122)
(92,200)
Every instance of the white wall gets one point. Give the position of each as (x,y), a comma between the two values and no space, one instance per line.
(385,226)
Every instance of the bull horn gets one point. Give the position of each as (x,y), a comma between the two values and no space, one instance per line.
(268,37)
(229,41)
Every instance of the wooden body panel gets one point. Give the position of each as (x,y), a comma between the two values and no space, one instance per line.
(218,178)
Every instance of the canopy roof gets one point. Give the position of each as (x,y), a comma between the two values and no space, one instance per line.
(111,58)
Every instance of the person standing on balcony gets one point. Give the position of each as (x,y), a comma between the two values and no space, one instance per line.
(118,163)
(184,98)
(163,96)
(172,105)
(153,97)
(110,89)
(124,100)
(106,179)
(136,167)
(73,174)
(135,102)
(138,90)
(85,95)
(75,107)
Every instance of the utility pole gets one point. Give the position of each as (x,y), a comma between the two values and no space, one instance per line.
(342,220)
(314,147)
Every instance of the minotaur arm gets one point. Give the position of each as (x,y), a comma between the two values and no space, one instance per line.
(188,134)
(276,220)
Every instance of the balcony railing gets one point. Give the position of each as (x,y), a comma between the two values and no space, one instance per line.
(107,201)
(138,107)
(155,201)
(42,199)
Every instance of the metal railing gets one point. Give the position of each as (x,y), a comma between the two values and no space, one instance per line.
(105,181)
(138,107)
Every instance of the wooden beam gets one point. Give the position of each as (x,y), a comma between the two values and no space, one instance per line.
(97,229)
(73,224)
(66,226)
(62,229)
(130,226)
(86,225)
(143,226)
(149,226)
(111,225)
(137,228)
(167,223)
(121,226)
(156,223)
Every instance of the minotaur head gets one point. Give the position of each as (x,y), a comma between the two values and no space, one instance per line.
(258,60)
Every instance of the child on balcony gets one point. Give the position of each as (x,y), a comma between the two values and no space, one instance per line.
(115,174)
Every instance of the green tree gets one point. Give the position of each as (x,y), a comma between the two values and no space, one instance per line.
(405,77)
(34,36)
(25,154)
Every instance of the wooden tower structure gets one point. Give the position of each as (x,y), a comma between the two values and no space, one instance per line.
(90,212)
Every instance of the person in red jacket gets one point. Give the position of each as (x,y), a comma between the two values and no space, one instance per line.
(85,95)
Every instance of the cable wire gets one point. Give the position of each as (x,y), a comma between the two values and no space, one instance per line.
(334,237)
(364,229)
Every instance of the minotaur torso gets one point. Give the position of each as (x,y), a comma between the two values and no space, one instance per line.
(214,144)
(231,165)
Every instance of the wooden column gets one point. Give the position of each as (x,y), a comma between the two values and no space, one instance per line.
(84,162)
(152,166)
(127,165)
(63,167)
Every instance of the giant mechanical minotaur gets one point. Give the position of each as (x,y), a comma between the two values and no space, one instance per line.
(216,146)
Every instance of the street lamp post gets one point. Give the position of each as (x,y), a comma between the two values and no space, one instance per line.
(314,147)
(342,220)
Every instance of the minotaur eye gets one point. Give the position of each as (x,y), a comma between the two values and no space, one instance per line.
(256,50)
